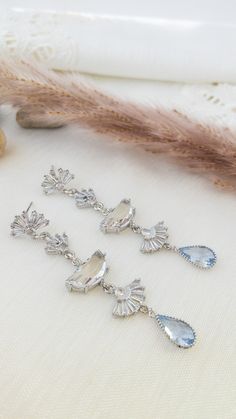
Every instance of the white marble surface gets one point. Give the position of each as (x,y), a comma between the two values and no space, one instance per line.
(62,355)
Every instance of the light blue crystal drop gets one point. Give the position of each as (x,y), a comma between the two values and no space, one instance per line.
(200,256)
(178,331)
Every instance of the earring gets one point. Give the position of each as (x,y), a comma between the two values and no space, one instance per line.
(122,217)
(91,273)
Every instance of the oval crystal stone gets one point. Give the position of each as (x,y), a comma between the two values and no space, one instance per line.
(178,331)
(119,218)
(200,256)
(89,274)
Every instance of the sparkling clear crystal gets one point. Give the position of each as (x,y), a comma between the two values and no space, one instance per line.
(179,332)
(89,274)
(149,233)
(128,299)
(85,198)
(154,238)
(56,245)
(201,256)
(28,223)
(119,218)
(56,180)
(123,294)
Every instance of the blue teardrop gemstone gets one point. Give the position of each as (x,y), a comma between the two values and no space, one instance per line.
(178,331)
(200,256)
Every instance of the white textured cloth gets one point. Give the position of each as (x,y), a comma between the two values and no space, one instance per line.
(152,47)
(63,355)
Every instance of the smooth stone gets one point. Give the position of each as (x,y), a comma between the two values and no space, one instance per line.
(178,331)
(27,117)
(201,256)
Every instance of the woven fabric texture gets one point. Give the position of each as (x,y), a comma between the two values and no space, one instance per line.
(63,355)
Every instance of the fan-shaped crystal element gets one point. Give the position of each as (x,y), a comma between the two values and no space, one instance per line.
(89,274)
(56,245)
(119,218)
(178,331)
(56,180)
(28,223)
(129,299)
(154,238)
(85,198)
(200,256)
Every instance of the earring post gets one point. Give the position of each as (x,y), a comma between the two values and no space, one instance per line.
(30,205)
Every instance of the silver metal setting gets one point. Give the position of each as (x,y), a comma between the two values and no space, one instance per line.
(56,180)
(107,288)
(129,299)
(147,310)
(154,238)
(89,274)
(119,218)
(56,245)
(28,222)
(85,198)
(168,333)
(197,263)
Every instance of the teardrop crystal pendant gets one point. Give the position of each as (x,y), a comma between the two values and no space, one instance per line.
(119,218)
(178,331)
(200,256)
(89,274)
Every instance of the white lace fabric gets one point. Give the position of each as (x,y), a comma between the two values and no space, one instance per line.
(123,46)
(69,42)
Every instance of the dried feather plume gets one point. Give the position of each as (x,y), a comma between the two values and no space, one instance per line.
(48,99)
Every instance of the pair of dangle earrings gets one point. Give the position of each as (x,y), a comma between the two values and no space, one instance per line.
(92,272)
(122,217)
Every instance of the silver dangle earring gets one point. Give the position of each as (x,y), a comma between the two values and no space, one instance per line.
(122,217)
(91,273)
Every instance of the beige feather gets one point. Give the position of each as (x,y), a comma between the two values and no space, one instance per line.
(47,98)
